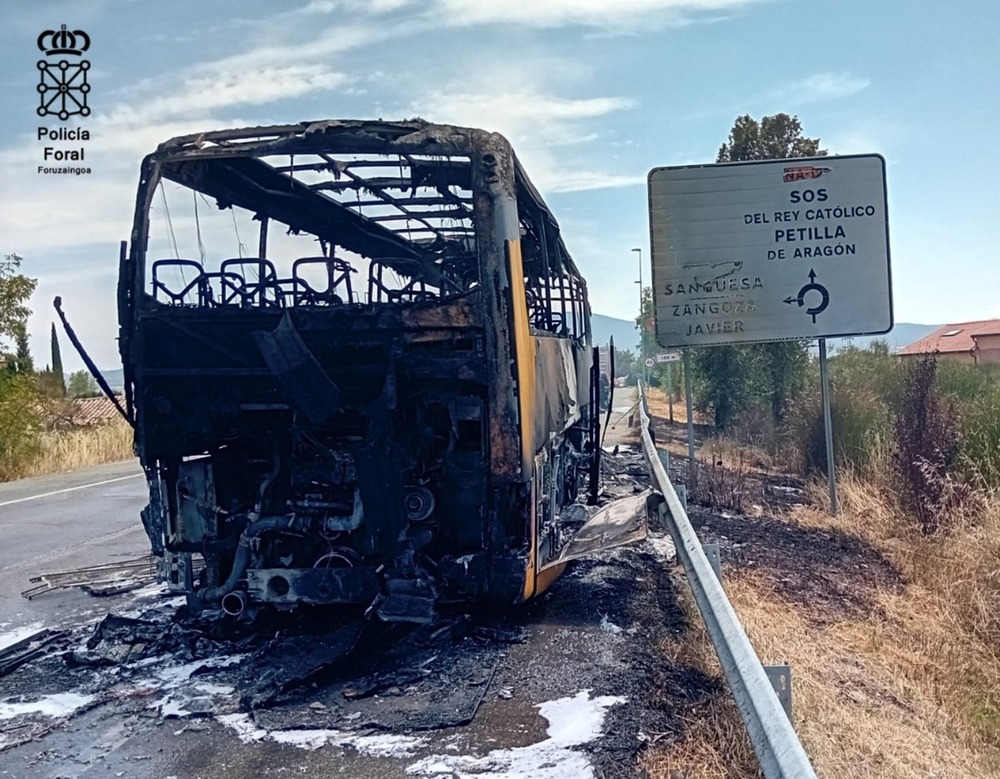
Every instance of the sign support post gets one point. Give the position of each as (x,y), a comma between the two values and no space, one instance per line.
(827,425)
(692,468)
(670,390)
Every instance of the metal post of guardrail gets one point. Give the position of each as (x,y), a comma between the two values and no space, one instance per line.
(778,749)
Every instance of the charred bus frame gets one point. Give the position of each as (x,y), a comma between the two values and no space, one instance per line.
(395,449)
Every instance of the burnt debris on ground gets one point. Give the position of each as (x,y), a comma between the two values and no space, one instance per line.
(434,677)
(98,580)
(830,573)
(322,671)
(592,631)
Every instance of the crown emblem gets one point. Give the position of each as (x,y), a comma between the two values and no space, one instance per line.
(63,41)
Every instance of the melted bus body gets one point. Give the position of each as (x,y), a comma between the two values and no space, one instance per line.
(366,379)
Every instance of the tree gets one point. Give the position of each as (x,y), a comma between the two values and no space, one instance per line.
(785,365)
(21,361)
(59,379)
(20,404)
(625,363)
(773,138)
(728,379)
(82,385)
(15,291)
(731,378)
(21,412)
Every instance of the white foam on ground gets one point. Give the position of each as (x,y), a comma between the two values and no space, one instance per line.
(203,697)
(174,675)
(662,546)
(573,722)
(11,637)
(170,707)
(246,730)
(211,688)
(60,704)
(184,692)
(149,590)
(387,745)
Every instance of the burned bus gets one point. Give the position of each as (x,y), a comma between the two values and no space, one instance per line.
(358,362)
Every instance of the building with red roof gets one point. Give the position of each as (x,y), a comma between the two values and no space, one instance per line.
(973,343)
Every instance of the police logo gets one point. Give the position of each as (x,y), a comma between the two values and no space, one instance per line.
(62,86)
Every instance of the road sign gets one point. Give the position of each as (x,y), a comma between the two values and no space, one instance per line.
(604,357)
(769,251)
(650,362)
(668,357)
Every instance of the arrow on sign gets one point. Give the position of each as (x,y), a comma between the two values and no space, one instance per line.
(810,287)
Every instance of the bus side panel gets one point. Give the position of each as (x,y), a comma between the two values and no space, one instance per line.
(525,358)
(524,365)
(559,394)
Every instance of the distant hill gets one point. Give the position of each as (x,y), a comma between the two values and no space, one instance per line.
(627,337)
(624,331)
(902,333)
(115,378)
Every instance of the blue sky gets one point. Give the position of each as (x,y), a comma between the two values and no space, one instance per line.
(592,94)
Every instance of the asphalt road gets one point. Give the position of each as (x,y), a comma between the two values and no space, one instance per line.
(61,522)
(576,695)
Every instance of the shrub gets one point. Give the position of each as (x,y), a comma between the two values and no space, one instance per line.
(725,481)
(928,440)
(975,390)
(21,410)
(863,386)
(980,445)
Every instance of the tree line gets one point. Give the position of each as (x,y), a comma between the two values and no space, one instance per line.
(27,394)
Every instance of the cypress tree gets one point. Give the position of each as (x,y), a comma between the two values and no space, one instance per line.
(22,357)
(57,367)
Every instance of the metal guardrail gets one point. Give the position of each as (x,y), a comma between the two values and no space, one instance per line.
(778,749)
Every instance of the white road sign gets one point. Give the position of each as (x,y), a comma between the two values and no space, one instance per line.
(650,362)
(770,251)
(668,357)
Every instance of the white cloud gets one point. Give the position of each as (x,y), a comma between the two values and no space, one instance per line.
(536,124)
(374,7)
(820,87)
(517,113)
(213,88)
(589,13)
(558,179)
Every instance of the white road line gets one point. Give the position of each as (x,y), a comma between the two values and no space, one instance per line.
(69,489)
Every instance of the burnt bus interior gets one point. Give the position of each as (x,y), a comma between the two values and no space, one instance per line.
(318,334)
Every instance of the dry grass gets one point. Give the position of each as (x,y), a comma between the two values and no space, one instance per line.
(658,406)
(67,450)
(910,689)
(714,744)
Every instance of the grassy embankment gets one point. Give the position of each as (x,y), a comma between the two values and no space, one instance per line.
(896,666)
(57,451)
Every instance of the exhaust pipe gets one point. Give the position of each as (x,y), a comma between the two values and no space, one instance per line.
(234,603)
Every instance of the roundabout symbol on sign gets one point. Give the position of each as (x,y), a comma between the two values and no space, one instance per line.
(812,286)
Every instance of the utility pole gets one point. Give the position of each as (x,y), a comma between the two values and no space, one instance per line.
(642,326)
